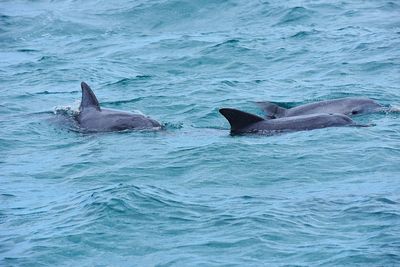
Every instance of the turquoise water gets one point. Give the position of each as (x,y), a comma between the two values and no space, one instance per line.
(193,195)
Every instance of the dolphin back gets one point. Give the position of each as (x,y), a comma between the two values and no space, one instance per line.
(88,98)
(239,119)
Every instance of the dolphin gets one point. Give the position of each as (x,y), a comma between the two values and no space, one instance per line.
(243,122)
(93,118)
(347,106)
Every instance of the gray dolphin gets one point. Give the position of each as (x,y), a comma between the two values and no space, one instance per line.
(93,118)
(243,122)
(347,106)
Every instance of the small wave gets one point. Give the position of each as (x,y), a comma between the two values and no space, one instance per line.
(120,102)
(48,58)
(27,50)
(127,81)
(230,42)
(230,83)
(7,195)
(376,66)
(304,34)
(386,200)
(55,93)
(390,6)
(145,201)
(232,45)
(295,15)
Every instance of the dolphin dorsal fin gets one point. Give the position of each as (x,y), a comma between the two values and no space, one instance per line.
(273,110)
(88,98)
(239,119)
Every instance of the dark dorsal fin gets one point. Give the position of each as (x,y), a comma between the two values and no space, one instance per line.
(88,98)
(239,119)
(273,110)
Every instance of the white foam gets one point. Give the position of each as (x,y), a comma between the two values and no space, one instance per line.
(70,110)
(394,109)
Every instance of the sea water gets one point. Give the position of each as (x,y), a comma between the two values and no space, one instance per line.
(192,194)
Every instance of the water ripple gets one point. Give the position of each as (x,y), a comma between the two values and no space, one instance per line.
(192,194)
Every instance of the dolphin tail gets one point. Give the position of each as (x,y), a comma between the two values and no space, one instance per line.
(273,110)
(88,98)
(239,119)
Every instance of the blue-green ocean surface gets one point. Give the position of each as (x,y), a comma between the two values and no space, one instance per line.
(192,194)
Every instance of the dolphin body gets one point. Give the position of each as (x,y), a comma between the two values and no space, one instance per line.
(243,122)
(93,118)
(347,106)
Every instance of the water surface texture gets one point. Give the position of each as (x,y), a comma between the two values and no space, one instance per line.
(192,195)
